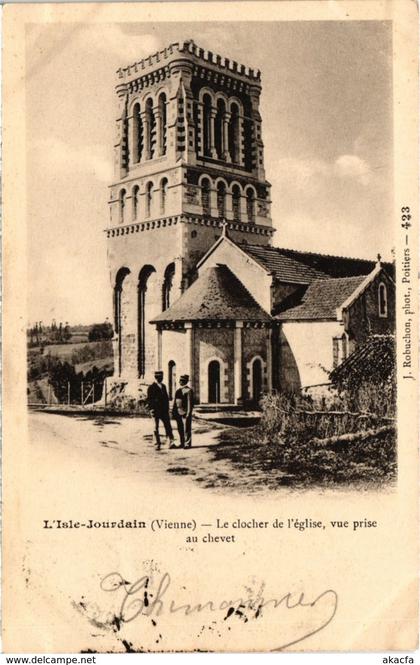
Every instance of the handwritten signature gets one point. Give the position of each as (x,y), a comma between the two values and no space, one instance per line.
(140,600)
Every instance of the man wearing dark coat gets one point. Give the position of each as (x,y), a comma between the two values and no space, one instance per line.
(158,403)
(183,410)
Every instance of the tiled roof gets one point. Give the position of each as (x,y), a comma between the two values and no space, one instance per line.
(285,268)
(294,266)
(217,295)
(322,298)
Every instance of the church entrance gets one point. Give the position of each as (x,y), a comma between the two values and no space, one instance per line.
(257,382)
(214,382)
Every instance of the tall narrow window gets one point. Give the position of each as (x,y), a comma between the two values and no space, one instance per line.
(234,137)
(205,197)
(162,123)
(236,203)
(135,198)
(150,129)
(137,134)
(250,205)
(207,130)
(122,197)
(149,197)
(221,200)
(171,379)
(167,286)
(125,144)
(218,129)
(383,300)
(163,195)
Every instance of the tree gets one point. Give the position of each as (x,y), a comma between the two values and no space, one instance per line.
(101,331)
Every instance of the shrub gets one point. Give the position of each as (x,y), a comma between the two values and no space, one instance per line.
(366,381)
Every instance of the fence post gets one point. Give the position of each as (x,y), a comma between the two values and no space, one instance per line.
(105,390)
(81,393)
(68,393)
(93,393)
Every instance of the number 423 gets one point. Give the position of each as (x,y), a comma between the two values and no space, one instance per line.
(405,217)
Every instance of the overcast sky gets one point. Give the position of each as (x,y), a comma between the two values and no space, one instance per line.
(327,129)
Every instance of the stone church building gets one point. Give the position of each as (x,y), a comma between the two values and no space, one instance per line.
(198,287)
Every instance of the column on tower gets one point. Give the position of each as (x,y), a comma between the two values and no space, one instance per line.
(159,131)
(241,156)
(225,136)
(145,117)
(212,133)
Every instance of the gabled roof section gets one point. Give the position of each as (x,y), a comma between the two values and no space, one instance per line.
(282,267)
(217,295)
(224,238)
(359,290)
(322,298)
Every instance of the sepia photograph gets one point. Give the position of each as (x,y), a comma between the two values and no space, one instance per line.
(241,271)
(218,310)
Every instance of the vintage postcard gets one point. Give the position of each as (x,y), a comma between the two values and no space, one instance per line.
(210,327)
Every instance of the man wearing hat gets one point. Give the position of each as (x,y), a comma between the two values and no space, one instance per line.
(158,403)
(183,410)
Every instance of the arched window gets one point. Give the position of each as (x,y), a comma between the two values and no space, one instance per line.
(150,129)
(171,379)
(162,123)
(205,196)
(119,280)
(167,286)
(383,300)
(250,205)
(144,276)
(137,134)
(149,197)
(163,194)
(221,200)
(236,203)
(122,197)
(218,129)
(135,198)
(234,137)
(207,125)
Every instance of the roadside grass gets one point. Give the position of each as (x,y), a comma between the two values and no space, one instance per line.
(296,462)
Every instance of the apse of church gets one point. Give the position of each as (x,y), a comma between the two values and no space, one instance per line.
(188,162)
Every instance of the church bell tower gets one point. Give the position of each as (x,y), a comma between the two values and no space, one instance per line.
(188,157)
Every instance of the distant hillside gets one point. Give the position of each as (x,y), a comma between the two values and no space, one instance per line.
(53,367)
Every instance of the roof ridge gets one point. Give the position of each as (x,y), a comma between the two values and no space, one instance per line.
(303,251)
(330,256)
(337,279)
